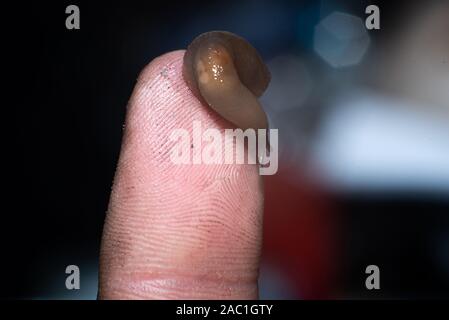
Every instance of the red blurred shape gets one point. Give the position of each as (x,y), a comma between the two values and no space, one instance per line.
(300,233)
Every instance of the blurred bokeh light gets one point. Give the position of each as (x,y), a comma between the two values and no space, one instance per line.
(341,39)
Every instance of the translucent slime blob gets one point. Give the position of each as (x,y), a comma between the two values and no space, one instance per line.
(226,72)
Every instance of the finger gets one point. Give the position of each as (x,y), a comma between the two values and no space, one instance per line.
(178,231)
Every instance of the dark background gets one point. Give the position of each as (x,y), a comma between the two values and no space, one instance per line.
(67,92)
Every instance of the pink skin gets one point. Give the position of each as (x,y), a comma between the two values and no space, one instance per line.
(177,231)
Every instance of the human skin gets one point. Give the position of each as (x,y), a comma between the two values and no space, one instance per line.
(178,232)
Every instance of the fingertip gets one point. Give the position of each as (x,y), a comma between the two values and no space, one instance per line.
(198,226)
